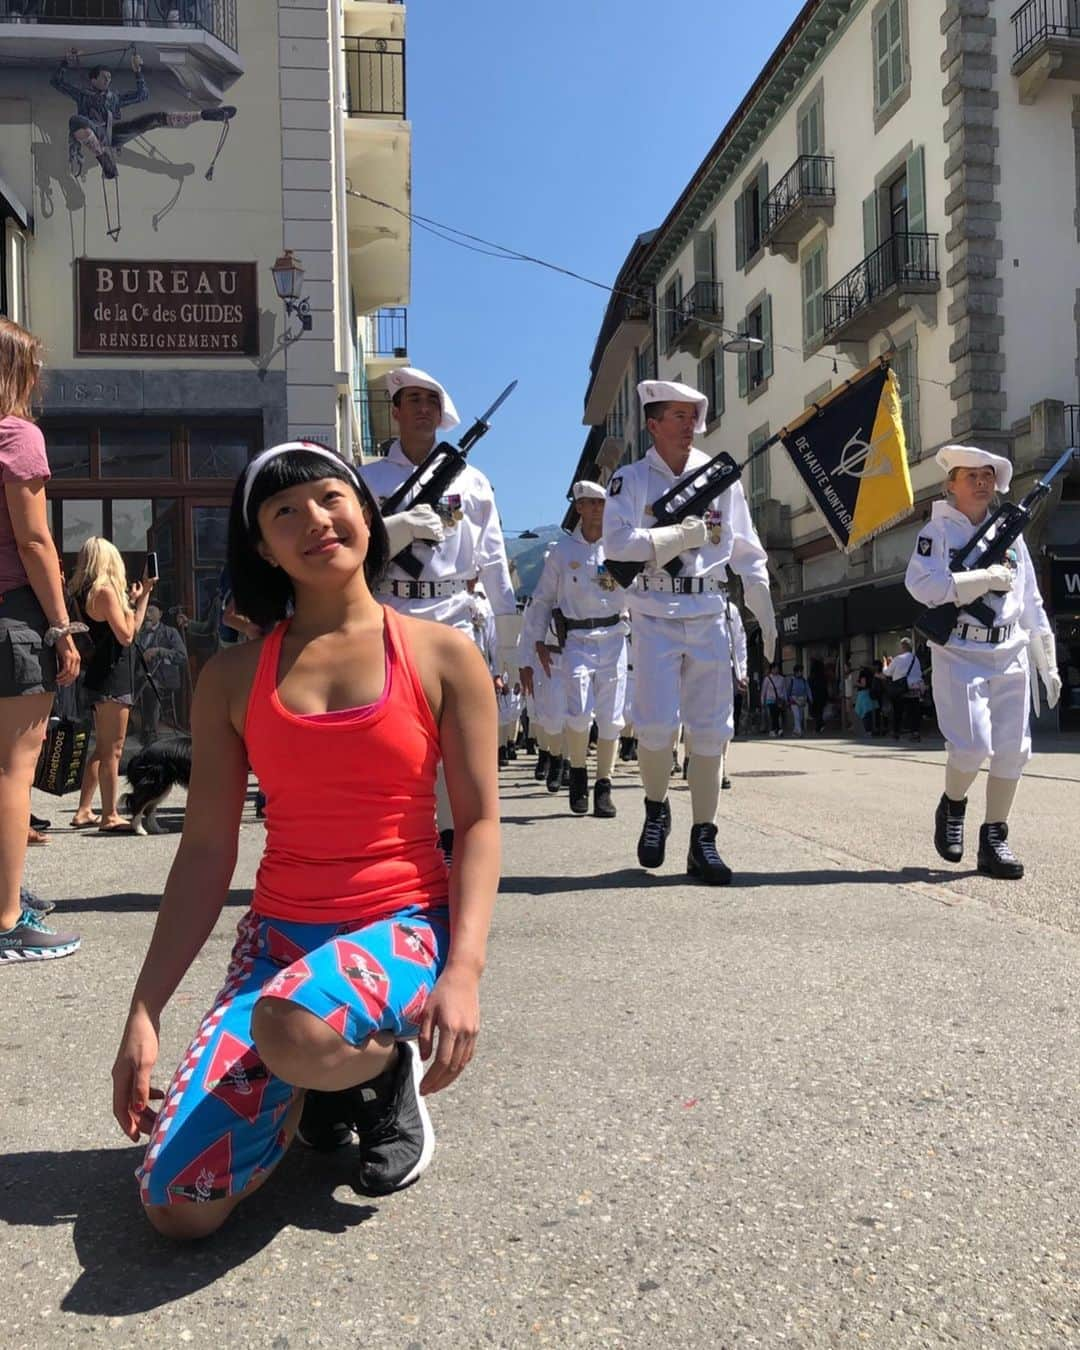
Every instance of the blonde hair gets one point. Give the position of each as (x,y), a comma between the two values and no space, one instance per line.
(20,361)
(99,565)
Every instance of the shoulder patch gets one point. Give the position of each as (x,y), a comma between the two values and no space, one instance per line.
(614,487)
(926,546)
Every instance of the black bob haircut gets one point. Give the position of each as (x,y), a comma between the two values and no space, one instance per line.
(263,593)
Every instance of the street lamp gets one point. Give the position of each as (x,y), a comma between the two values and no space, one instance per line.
(288,274)
(743,344)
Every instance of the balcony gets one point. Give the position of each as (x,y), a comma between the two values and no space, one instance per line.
(697,317)
(1046,44)
(627,325)
(803,198)
(375,77)
(376,425)
(195,41)
(386,341)
(889,281)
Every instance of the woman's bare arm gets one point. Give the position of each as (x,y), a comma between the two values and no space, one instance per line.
(30,524)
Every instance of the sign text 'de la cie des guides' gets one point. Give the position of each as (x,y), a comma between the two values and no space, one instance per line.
(166,308)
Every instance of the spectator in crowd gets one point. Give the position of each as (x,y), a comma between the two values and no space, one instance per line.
(114,613)
(867,707)
(799,700)
(905,689)
(37,652)
(819,693)
(774,698)
(165,655)
(879,693)
(850,678)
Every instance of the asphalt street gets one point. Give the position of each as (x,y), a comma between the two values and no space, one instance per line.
(833,1105)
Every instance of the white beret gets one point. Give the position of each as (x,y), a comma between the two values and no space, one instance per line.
(970,457)
(584,490)
(668,391)
(408,377)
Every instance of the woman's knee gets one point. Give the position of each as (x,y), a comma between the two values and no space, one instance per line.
(287,1037)
(188,1223)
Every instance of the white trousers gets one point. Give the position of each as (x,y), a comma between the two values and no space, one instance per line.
(594,675)
(628,703)
(683,674)
(982,708)
(550,697)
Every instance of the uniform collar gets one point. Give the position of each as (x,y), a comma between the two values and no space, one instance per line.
(396,455)
(943,510)
(694,460)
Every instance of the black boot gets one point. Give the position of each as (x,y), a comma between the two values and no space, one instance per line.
(703,860)
(603,806)
(654,833)
(541,767)
(685,768)
(511,750)
(725,783)
(565,780)
(949,828)
(633,749)
(554,773)
(996,858)
(530,746)
(579,791)
(624,749)
(502,756)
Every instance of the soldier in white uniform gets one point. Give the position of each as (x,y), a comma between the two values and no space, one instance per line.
(578,594)
(981,675)
(549,697)
(472,543)
(682,657)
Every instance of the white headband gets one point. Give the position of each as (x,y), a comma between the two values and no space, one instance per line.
(261,460)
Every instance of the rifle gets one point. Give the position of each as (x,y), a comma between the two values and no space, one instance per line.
(428,481)
(1009,521)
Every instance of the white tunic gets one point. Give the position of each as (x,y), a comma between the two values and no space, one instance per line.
(473,545)
(575,581)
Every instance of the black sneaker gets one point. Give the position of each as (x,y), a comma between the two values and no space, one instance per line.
(325,1121)
(446,843)
(949,828)
(654,833)
(603,806)
(996,858)
(396,1138)
(579,791)
(36,823)
(703,861)
(554,773)
(540,768)
(31,940)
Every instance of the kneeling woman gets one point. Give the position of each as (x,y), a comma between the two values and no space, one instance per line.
(981,674)
(357,940)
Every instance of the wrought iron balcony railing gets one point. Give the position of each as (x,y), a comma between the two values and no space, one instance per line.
(217,17)
(390,332)
(1039,20)
(376,424)
(702,306)
(810,178)
(375,77)
(902,261)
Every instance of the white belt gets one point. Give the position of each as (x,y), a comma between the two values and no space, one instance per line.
(422,590)
(970,632)
(662,581)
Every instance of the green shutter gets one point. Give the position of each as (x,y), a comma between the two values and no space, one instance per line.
(870,223)
(763,200)
(740,233)
(705,255)
(766,337)
(916,191)
(719,386)
(744,380)
(808,333)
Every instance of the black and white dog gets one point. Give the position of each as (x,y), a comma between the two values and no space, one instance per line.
(151,775)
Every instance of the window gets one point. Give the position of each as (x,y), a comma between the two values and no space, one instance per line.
(749,217)
(890,56)
(136,452)
(672,301)
(904,367)
(130,522)
(813,296)
(13,267)
(755,368)
(711,382)
(81,520)
(811,139)
(898,205)
(216,452)
(759,467)
(705,255)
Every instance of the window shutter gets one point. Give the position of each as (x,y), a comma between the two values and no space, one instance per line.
(916,190)
(763,200)
(766,337)
(718,388)
(740,233)
(705,255)
(808,298)
(744,381)
(870,224)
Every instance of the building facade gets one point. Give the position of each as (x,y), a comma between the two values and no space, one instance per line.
(159,159)
(903,178)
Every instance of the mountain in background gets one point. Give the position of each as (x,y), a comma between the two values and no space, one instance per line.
(528,555)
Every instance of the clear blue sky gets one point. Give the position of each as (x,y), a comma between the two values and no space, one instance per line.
(563,130)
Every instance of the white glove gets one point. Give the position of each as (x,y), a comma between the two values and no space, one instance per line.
(758,598)
(669,541)
(971,585)
(1043,653)
(418,522)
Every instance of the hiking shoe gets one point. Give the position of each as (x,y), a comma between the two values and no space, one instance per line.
(949,828)
(703,861)
(31,940)
(396,1138)
(29,900)
(540,768)
(654,833)
(325,1122)
(554,773)
(579,791)
(996,858)
(603,806)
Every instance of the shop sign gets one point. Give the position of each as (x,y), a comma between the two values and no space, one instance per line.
(789,625)
(166,309)
(1065,585)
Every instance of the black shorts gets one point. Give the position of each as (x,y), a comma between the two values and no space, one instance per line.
(27,666)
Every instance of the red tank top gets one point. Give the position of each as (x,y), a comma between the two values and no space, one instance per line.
(350,798)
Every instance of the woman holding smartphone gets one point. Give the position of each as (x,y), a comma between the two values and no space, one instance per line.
(114,614)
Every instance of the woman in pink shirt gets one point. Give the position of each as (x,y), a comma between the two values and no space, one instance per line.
(36,649)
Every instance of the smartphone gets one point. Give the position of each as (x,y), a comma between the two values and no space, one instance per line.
(151,566)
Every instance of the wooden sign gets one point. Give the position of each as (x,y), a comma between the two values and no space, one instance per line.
(166,309)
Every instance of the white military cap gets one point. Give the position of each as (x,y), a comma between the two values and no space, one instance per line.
(668,391)
(408,377)
(583,490)
(970,457)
